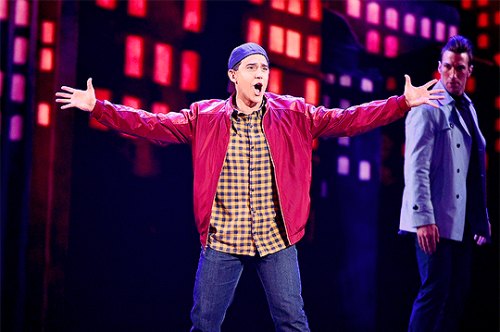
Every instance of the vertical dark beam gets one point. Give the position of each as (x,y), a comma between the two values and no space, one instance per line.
(51,177)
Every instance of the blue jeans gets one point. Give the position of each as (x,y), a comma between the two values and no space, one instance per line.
(218,275)
(445,281)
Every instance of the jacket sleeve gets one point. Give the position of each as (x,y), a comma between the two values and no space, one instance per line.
(356,119)
(172,127)
(419,145)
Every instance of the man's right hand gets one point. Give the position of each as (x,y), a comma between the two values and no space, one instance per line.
(428,237)
(84,100)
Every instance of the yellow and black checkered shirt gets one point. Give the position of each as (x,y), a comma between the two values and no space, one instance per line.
(245,216)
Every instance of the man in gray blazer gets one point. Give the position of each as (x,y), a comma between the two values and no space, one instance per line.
(444,199)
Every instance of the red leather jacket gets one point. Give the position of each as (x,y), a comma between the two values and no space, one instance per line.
(290,125)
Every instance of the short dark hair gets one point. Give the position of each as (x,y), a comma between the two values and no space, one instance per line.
(459,44)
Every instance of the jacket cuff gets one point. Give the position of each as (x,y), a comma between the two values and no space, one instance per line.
(402,104)
(97,111)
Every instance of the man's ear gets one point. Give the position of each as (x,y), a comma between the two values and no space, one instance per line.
(232,75)
(439,67)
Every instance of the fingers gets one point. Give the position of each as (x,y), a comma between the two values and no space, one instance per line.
(428,84)
(89,84)
(407,80)
(431,103)
(64,95)
(67,88)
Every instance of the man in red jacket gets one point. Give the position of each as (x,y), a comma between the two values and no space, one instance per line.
(252,173)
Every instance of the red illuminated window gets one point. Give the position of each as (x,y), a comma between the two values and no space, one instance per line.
(409,24)
(295,7)
(257,2)
(311,94)
(293,44)
(497,123)
(276,39)
(466,4)
(48,32)
(46,59)
(373,42)
(497,58)
(373,13)
(136,8)
(482,20)
(275,79)
(391,46)
(22,13)
(132,102)
(470,86)
(354,8)
(4,10)
(483,41)
(313,49)
(497,18)
(190,71)
(160,108)
(134,53)
(497,105)
(392,18)
(192,15)
(254,31)
(482,3)
(163,64)
(101,94)
(391,84)
(106,4)
(436,74)
(20,55)
(278,4)
(315,10)
(43,115)
(440,31)
(425,28)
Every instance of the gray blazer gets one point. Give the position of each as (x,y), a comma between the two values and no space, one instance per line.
(437,152)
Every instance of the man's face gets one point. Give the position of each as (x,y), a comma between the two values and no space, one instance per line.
(455,70)
(251,79)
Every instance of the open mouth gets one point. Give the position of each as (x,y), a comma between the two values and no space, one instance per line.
(258,88)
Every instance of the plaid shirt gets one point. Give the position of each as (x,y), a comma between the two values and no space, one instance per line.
(245,216)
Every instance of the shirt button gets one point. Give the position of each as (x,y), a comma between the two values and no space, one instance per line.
(458,145)
(458,170)
(451,125)
(458,196)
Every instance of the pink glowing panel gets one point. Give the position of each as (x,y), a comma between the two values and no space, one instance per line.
(22,13)
(295,7)
(276,39)
(134,53)
(278,4)
(293,44)
(20,51)
(343,165)
(482,20)
(354,8)
(409,24)
(160,108)
(364,171)
(425,28)
(4,10)
(373,42)
(163,64)
(311,94)
(483,41)
(452,31)
(275,79)
(107,4)
(192,15)
(391,46)
(43,114)
(48,28)
(366,85)
(345,80)
(254,31)
(315,10)
(373,13)
(257,2)
(392,18)
(17,88)
(440,31)
(136,8)
(190,71)
(16,128)
(46,59)
(313,49)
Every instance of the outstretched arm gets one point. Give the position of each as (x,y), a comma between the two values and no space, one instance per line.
(84,100)
(416,96)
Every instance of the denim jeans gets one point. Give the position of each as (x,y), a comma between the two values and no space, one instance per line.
(445,281)
(218,275)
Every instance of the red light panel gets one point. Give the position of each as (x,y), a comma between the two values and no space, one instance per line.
(312,91)
(190,71)
(43,115)
(48,32)
(392,18)
(466,4)
(373,42)
(483,41)
(136,8)
(4,10)
(293,44)
(46,59)
(22,13)
(275,79)
(391,46)
(254,31)
(354,8)
(276,39)
(313,49)
(106,4)
(134,53)
(470,86)
(20,55)
(192,15)
(278,4)
(295,7)
(163,64)
(482,20)
(160,108)
(409,24)
(440,31)
(425,28)
(315,10)
(373,13)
